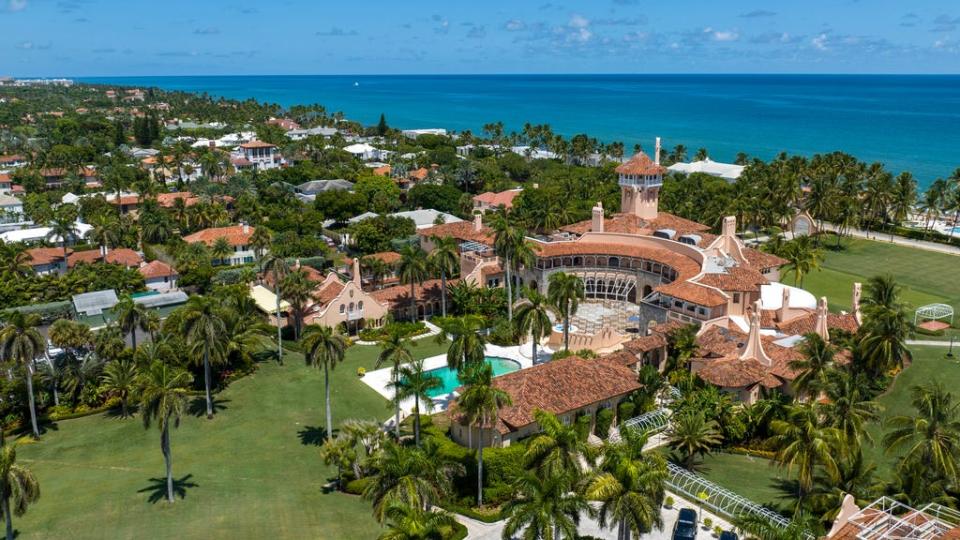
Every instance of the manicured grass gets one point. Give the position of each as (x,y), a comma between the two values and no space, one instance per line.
(926,276)
(755,478)
(254,471)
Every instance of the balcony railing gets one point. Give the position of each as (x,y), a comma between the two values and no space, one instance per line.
(647,182)
(355,315)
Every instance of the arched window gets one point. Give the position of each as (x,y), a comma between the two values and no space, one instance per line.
(351,306)
(614,262)
(342,308)
(360,304)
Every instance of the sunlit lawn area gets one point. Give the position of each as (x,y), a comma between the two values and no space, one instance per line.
(755,478)
(253,471)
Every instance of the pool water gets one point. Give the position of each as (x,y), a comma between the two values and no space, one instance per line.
(450,382)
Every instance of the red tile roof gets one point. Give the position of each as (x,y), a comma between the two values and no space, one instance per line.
(762,260)
(640,163)
(235,234)
(43,255)
(122,256)
(419,174)
(257,144)
(693,292)
(389,257)
(399,295)
(502,198)
(157,269)
(461,230)
(737,278)
(685,266)
(633,224)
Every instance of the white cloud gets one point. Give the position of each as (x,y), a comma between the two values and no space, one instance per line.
(25,45)
(579,29)
(514,25)
(578,21)
(819,42)
(726,35)
(17,5)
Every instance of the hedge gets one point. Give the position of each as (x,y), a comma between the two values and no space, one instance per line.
(358,486)
(603,423)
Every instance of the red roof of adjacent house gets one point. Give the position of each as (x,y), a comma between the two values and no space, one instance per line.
(5,177)
(240,162)
(237,235)
(502,198)
(382,171)
(285,123)
(11,158)
(641,164)
(157,269)
(122,256)
(399,295)
(257,144)
(46,255)
(736,278)
(125,200)
(560,387)
(167,200)
(633,224)
(419,174)
(461,230)
(388,257)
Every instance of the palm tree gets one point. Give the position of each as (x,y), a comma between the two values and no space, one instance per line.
(565,292)
(484,400)
(558,450)
(277,267)
(815,365)
(533,318)
(378,270)
(690,433)
(204,329)
(221,250)
(105,231)
(445,258)
(63,229)
(120,379)
(18,485)
(21,343)
(395,350)
(804,443)
(163,398)
(260,240)
(131,316)
(417,383)
(886,325)
(412,270)
(324,347)
(467,344)
(629,485)
(298,289)
(848,408)
(511,245)
(81,372)
(417,477)
(902,200)
(544,507)
(802,258)
(931,438)
(407,522)
(14,259)
(762,528)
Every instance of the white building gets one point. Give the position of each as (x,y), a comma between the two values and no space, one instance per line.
(533,153)
(414,133)
(728,171)
(300,134)
(262,155)
(366,152)
(159,276)
(427,217)
(39,234)
(11,213)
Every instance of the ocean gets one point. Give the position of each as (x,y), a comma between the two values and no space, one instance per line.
(907,122)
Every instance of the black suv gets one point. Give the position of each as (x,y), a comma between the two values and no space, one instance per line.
(686,526)
(728,535)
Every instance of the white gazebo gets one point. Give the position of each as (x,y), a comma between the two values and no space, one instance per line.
(934,312)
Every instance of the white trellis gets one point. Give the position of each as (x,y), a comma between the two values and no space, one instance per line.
(934,312)
(651,422)
(718,499)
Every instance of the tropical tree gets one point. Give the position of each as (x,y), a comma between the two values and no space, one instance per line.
(378,270)
(221,250)
(803,443)
(886,326)
(407,522)
(848,408)
(416,477)
(395,350)
(412,270)
(261,240)
(21,343)
(277,267)
(512,247)
(802,258)
(63,229)
(18,486)
(203,327)
(813,368)
(483,400)
(445,259)
(131,316)
(565,291)
(629,485)
(930,438)
(298,289)
(558,450)
(543,507)
(324,347)
(416,382)
(14,259)
(120,378)
(762,528)
(532,317)
(163,399)
(691,433)
(467,344)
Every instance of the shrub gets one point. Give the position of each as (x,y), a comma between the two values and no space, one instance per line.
(625,411)
(604,421)
(357,487)
(707,523)
(717,531)
(503,333)
(582,425)
(669,502)
(406,329)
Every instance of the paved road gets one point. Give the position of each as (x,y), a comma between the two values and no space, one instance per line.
(899,240)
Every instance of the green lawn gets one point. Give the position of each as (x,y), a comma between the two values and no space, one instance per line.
(755,478)
(253,471)
(926,276)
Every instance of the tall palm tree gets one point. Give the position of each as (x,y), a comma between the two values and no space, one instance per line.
(558,450)
(406,522)
(412,270)
(629,485)
(131,316)
(324,347)
(804,443)
(848,408)
(544,507)
(63,229)
(533,318)
(931,438)
(395,350)
(416,382)
(18,486)
(21,343)
(691,433)
(565,291)
(14,259)
(106,230)
(277,267)
(204,329)
(163,398)
(486,400)
(417,477)
(378,270)
(886,325)
(467,344)
(512,247)
(445,258)
(221,250)
(814,366)
(903,198)
(260,240)
(120,378)
(802,258)
(298,290)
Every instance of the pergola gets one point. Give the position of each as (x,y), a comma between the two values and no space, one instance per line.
(934,312)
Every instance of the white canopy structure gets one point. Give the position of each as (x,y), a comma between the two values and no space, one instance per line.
(934,312)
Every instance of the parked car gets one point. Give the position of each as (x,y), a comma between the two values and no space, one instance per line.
(686,526)
(729,535)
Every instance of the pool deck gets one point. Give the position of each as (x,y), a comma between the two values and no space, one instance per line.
(379,379)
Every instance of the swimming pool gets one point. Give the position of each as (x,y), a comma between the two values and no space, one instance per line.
(448,377)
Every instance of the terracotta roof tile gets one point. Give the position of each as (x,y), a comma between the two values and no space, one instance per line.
(156,269)
(693,292)
(235,234)
(640,163)
(461,230)
(685,266)
(389,257)
(257,144)
(737,278)
(399,295)
(762,260)
(42,256)
(633,224)
(502,198)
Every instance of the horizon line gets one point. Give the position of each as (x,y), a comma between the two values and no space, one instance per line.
(537,74)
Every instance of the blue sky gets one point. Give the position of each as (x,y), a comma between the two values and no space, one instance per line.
(133,37)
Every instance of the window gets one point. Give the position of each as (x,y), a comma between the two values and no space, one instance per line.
(736,298)
(360,305)
(342,308)
(351,306)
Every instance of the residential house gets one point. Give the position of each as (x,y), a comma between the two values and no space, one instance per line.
(237,235)
(425,218)
(285,123)
(300,134)
(427,299)
(11,213)
(12,161)
(728,171)
(159,276)
(490,200)
(414,133)
(42,234)
(49,260)
(262,155)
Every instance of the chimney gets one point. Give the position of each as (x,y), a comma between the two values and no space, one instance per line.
(754,348)
(246,228)
(821,327)
(597,224)
(784,313)
(729,227)
(857,291)
(296,264)
(356,272)
(477,222)
(656,153)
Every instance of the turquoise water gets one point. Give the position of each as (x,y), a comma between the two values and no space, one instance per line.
(450,382)
(908,122)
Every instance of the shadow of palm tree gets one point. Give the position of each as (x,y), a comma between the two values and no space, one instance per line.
(312,436)
(43,422)
(198,407)
(115,412)
(158,488)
